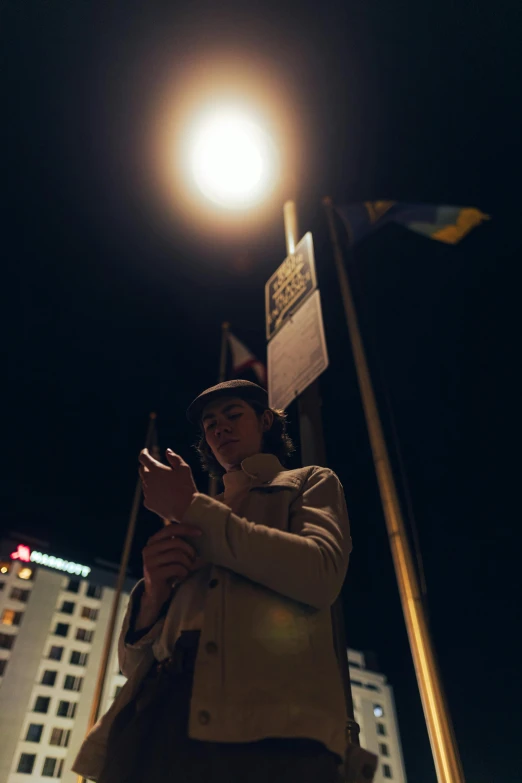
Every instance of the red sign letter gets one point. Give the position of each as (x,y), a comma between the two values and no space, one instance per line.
(22,553)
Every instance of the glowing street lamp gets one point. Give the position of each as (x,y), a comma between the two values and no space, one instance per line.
(232,159)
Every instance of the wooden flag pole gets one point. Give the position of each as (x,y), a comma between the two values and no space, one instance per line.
(109,634)
(443,745)
(225,326)
(222,375)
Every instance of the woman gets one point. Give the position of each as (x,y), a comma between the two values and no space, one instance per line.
(227,642)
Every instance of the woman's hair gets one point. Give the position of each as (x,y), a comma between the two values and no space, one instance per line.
(276,441)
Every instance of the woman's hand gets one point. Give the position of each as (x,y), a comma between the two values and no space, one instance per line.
(168,489)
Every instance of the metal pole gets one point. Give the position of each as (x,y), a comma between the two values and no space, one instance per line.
(443,745)
(109,634)
(291,226)
(225,326)
(313,453)
(309,402)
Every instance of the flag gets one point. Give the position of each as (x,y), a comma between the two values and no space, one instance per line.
(243,359)
(446,224)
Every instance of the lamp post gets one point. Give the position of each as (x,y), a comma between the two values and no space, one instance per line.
(231,166)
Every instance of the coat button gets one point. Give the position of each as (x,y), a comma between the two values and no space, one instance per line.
(213,583)
(204,717)
(211,647)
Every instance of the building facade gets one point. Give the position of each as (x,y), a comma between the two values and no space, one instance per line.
(54,615)
(374,710)
(53,618)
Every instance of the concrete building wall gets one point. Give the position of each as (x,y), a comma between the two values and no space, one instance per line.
(24,659)
(374,709)
(58,604)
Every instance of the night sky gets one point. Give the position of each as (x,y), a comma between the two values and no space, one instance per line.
(115,290)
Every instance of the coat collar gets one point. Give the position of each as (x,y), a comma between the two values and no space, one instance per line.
(260,468)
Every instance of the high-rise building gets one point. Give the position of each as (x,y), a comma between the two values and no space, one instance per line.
(374,710)
(53,618)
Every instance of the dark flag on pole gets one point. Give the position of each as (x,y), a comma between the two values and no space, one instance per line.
(244,361)
(443,223)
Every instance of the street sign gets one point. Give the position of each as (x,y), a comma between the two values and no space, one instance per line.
(290,285)
(297,355)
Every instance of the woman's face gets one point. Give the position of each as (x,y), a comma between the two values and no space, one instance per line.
(234,431)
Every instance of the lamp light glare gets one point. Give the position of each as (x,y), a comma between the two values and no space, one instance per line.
(232,159)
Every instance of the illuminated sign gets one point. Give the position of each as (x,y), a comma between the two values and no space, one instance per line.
(24,554)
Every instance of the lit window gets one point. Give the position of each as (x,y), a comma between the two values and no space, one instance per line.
(94,591)
(26,763)
(7,617)
(79,658)
(55,653)
(60,737)
(10,617)
(25,573)
(73,586)
(34,732)
(52,768)
(383,749)
(62,629)
(67,607)
(41,704)
(3,664)
(386,769)
(5,566)
(48,677)
(83,635)
(89,613)
(20,595)
(378,711)
(6,641)
(66,709)
(71,683)
(381,729)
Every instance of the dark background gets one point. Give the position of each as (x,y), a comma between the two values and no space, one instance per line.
(114,296)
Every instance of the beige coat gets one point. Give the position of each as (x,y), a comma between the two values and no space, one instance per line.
(266,664)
